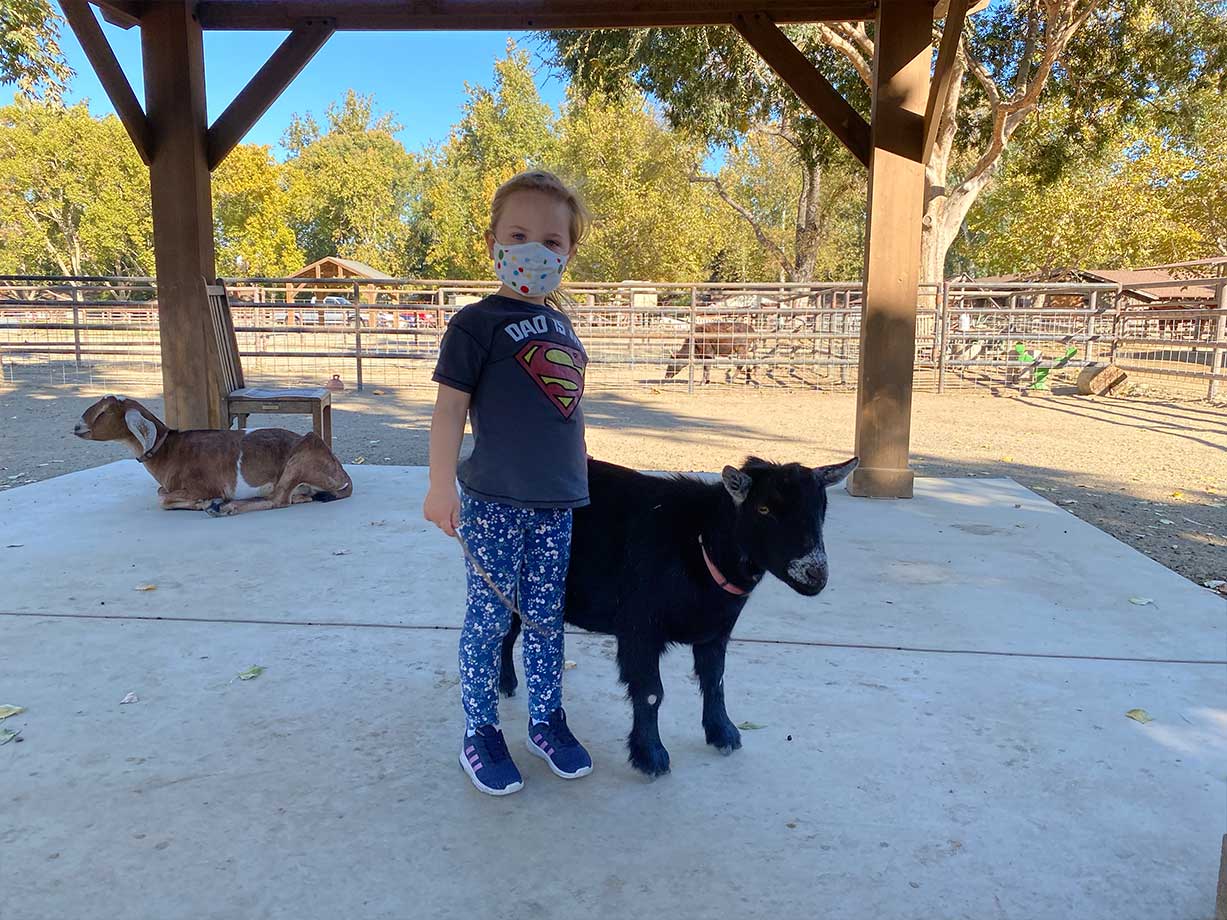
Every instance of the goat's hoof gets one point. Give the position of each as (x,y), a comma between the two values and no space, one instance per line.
(650,760)
(724,738)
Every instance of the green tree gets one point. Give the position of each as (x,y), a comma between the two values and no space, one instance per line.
(1124,207)
(762,181)
(1203,198)
(1105,56)
(650,222)
(74,196)
(503,130)
(713,86)
(251,215)
(30,54)
(353,187)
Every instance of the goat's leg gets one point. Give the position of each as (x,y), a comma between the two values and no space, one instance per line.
(709,666)
(639,669)
(507,682)
(311,470)
(181,500)
(222,508)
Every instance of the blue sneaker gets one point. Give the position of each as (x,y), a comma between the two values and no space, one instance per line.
(553,742)
(484,757)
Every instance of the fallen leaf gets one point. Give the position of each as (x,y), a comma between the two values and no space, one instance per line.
(1177,494)
(1139,715)
(372,442)
(340,552)
(790,824)
(145,588)
(359,460)
(1068,501)
(378,523)
(251,673)
(15,546)
(7,735)
(1165,521)
(568,665)
(1007,459)
(750,726)
(130,698)
(6,711)
(1141,601)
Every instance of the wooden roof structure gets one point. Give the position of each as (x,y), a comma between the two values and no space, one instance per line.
(172,135)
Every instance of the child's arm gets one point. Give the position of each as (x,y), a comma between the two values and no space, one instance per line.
(442,506)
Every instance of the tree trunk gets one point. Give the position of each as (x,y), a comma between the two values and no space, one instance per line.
(808,231)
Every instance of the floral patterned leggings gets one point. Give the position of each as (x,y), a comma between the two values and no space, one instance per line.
(526,553)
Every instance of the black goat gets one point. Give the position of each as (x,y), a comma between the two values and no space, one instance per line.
(672,560)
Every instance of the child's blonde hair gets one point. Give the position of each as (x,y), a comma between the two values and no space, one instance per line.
(538,180)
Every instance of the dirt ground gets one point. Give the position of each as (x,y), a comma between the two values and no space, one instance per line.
(1151,472)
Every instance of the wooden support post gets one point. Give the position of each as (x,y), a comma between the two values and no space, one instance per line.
(902,52)
(173,49)
(943,73)
(795,69)
(269,82)
(96,47)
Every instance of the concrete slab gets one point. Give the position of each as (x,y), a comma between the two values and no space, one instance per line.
(968,564)
(971,780)
(913,786)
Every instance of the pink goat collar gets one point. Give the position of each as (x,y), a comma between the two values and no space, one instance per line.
(716,574)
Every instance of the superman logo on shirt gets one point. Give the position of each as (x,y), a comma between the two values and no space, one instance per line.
(557,370)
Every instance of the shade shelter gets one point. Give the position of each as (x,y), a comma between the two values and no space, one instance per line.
(172,134)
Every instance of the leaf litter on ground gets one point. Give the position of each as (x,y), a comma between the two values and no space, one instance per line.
(9,710)
(750,726)
(1139,715)
(251,673)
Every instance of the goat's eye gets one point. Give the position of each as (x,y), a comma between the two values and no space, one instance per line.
(763,509)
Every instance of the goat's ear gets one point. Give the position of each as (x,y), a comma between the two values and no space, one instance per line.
(838,472)
(737,483)
(142,428)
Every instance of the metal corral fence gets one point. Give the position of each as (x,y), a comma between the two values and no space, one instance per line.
(667,336)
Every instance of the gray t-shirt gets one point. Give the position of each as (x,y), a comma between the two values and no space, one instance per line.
(523,366)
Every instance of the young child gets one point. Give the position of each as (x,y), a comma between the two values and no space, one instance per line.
(513,364)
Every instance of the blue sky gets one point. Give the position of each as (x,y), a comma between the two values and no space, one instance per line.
(419,76)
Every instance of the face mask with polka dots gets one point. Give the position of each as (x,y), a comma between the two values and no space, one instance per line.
(532,269)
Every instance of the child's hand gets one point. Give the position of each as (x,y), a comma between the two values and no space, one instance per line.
(442,508)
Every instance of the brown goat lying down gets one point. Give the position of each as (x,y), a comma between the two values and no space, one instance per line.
(221,472)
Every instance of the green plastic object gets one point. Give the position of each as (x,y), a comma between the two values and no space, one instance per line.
(1039,375)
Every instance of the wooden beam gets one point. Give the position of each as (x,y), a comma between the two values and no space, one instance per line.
(122,13)
(515,15)
(795,69)
(173,48)
(81,18)
(943,73)
(902,55)
(263,89)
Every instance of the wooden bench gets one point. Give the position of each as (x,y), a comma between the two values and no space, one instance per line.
(240,400)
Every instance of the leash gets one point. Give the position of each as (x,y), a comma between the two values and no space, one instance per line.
(503,599)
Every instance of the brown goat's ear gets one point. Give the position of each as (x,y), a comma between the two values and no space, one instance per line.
(838,472)
(737,483)
(141,428)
